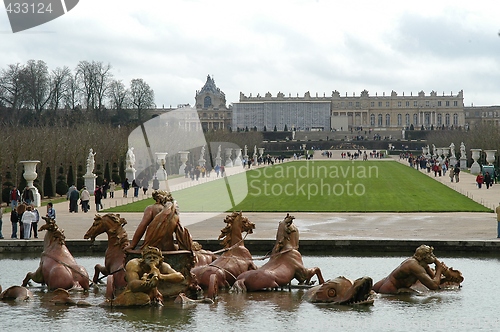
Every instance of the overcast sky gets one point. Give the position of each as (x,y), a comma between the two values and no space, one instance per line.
(289,46)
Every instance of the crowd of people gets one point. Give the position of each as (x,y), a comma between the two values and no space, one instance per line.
(433,165)
(24,215)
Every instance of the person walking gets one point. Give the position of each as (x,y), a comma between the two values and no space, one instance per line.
(452,173)
(479,180)
(125,187)
(456,171)
(145,185)
(156,183)
(73,195)
(487,180)
(14,219)
(28,217)
(98,198)
(85,199)
(112,189)
(34,224)
(136,188)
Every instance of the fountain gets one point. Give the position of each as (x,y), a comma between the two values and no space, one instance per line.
(30,175)
(230,310)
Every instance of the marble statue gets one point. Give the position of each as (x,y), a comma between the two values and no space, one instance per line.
(130,158)
(91,161)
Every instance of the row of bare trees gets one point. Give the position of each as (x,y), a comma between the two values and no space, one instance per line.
(91,86)
(485,136)
(59,147)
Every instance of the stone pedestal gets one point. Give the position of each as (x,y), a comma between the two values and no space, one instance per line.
(30,175)
(453,161)
(229,162)
(89,180)
(130,174)
(237,160)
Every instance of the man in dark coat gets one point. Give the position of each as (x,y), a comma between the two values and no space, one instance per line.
(74,195)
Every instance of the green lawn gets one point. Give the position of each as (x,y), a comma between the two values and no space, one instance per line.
(323,186)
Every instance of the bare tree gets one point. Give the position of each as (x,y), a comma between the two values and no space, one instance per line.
(142,96)
(93,79)
(11,88)
(59,85)
(35,79)
(118,95)
(72,92)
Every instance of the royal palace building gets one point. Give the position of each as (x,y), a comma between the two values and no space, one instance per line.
(210,104)
(336,112)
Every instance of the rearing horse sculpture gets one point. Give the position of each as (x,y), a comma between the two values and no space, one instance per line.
(285,263)
(114,258)
(58,268)
(222,272)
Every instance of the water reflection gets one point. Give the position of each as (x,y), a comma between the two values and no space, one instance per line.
(473,307)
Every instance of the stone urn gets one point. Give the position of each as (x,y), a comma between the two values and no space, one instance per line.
(475,167)
(184,159)
(30,175)
(161,173)
(490,156)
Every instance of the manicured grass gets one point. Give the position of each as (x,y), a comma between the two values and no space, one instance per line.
(323,186)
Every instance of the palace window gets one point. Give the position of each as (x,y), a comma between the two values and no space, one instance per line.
(407,119)
(440,120)
(439,103)
(407,104)
(455,120)
(379,120)
(372,120)
(415,119)
(447,103)
(379,104)
(400,120)
(447,120)
(415,103)
(207,102)
(387,120)
(399,104)
(455,103)
(427,103)
(372,104)
(387,104)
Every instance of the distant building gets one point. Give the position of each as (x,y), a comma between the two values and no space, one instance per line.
(211,107)
(482,114)
(344,113)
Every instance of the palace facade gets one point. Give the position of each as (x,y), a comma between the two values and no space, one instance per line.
(338,112)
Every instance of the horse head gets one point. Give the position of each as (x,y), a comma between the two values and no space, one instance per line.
(287,236)
(236,225)
(53,231)
(110,223)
